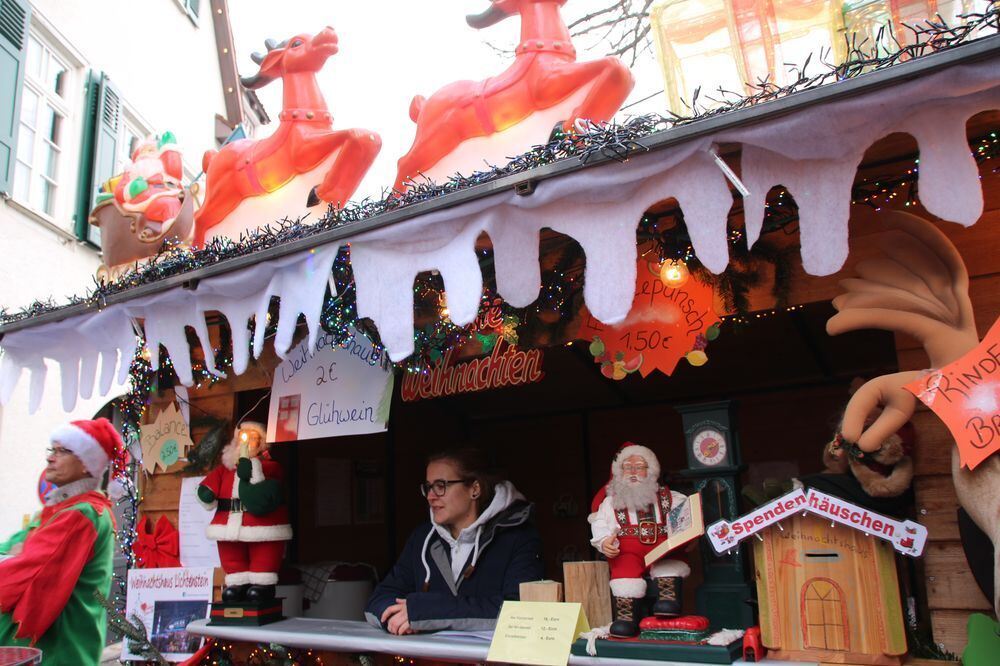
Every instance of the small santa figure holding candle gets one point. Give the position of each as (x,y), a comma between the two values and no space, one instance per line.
(251,517)
(631,517)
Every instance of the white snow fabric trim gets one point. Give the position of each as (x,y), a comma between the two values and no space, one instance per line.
(669,569)
(238,578)
(234,530)
(263,578)
(813,151)
(633,588)
(83,446)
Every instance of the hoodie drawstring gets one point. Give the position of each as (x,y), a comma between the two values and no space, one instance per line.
(475,554)
(423,560)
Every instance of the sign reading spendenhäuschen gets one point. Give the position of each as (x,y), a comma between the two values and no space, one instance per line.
(332,391)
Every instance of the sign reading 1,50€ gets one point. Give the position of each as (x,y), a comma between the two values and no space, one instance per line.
(331,391)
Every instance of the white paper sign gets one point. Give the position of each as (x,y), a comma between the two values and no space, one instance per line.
(196,548)
(333,391)
(166,600)
(906,536)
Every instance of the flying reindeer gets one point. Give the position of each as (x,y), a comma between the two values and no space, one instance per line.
(544,73)
(919,286)
(305,147)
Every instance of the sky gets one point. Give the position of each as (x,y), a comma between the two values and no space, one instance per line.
(391,50)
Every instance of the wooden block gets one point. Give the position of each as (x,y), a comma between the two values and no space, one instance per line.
(950,585)
(937,507)
(589,583)
(949,629)
(542,590)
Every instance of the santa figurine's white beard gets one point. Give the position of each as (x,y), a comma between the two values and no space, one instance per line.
(635,495)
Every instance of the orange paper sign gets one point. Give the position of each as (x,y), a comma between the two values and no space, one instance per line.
(665,324)
(966,396)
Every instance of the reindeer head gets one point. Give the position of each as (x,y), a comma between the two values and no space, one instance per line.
(499,10)
(301,53)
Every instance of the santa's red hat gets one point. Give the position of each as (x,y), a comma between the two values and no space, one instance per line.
(96,443)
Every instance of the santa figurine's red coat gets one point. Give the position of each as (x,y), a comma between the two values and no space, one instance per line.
(631,515)
(250,541)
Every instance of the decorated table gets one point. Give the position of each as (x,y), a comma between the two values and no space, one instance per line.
(354,636)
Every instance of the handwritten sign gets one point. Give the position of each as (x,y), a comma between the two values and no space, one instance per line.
(331,391)
(664,325)
(166,601)
(505,366)
(905,536)
(966,396)
(536,632)
(164,440)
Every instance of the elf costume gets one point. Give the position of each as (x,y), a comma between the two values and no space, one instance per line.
(47,591)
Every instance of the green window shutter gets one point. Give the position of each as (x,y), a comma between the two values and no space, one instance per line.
(14,15)
(101,124)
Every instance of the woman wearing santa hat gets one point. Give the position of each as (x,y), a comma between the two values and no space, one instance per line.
(54,568)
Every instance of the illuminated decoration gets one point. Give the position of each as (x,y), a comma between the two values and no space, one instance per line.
(467,123)
(674,273)
(965,394)
(505,366)
(707,45)
(305,162)
(143,208)
(664,325)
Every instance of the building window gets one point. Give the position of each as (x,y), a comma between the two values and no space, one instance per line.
(43,127)
(192,8)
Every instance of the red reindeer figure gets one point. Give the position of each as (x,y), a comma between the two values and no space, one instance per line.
(304,151)
(543,76)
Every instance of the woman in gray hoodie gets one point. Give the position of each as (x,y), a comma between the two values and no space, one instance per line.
(478,547)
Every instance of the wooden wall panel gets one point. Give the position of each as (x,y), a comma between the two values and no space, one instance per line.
(950,584)
(949,627)
(936,506)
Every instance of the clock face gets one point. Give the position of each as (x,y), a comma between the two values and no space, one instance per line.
(709,447)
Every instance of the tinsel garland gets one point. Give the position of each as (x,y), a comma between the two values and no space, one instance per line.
(611,140)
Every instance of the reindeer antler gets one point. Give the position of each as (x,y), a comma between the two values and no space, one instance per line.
(918,286)
(259,80)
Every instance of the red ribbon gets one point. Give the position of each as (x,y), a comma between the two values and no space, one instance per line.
(157,548)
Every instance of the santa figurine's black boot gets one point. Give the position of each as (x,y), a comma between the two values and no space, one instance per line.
(234,593)
(668,596)
(260,593)
(625,624)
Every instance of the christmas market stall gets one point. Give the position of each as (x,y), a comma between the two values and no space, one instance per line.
(738,365)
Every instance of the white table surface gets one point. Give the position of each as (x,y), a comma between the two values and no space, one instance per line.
(350,636)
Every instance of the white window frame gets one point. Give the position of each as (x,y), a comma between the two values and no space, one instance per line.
(185,6)
(69,106)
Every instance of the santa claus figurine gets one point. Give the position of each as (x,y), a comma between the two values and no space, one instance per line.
(251,519)
(629,519)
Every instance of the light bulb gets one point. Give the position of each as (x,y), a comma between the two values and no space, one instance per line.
(674,273)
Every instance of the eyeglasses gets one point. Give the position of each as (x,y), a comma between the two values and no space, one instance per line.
(634,469)
(440,487)
(57,451)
